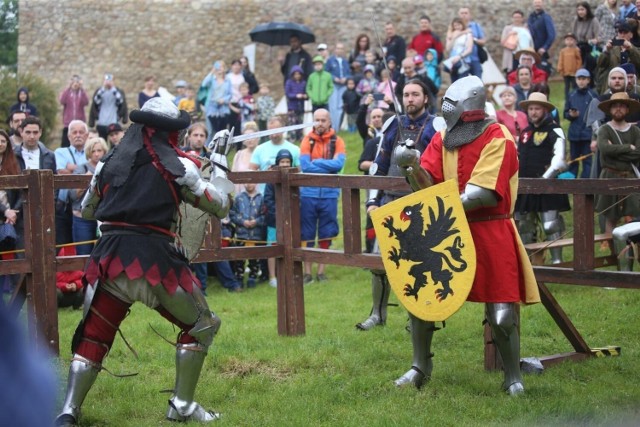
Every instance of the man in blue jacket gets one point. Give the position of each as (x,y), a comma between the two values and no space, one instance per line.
(542,30)
(575,110)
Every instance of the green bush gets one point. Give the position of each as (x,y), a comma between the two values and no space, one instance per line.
(41,94)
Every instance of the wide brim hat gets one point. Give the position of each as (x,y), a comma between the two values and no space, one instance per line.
(620,98)
(528,51)
(161,113)
(537,98)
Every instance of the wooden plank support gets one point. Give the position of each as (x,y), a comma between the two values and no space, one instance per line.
(289,270)
(42,305)
(562,320)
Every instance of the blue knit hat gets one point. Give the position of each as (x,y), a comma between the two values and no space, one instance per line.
(283,154)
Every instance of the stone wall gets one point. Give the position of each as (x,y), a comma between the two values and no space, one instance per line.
(179,39)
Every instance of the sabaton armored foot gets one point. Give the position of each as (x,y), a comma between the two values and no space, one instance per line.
(413,376)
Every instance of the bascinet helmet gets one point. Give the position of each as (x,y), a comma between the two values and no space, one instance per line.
(465,100)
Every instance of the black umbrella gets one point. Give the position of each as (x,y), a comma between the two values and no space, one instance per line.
(279,33)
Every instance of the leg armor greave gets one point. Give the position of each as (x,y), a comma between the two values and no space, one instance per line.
(422,364)
(621,236)
(553,225)
(82,375)
(380,290)
(182,407)
(503,320)
(526,226)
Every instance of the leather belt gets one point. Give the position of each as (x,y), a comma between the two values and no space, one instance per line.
(489,218)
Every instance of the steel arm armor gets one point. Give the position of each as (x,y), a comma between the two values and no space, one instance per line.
(92,198)
(475,197)
(558,164)
(211,197)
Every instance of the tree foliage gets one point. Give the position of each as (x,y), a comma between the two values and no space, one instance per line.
(41,94)
(9,33)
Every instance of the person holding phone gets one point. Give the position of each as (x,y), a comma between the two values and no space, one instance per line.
(109,106)
(617,51)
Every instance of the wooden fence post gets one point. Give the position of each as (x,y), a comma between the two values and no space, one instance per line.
(40,249)
(289,271)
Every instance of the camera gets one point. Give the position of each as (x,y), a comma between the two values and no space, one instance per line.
(617,42)
(378,96)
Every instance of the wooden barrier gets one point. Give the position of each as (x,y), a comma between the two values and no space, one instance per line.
(40,262)
(538,250)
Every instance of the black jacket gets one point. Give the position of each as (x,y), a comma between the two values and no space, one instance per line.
(47,158)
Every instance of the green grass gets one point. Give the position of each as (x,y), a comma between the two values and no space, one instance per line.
(337,376)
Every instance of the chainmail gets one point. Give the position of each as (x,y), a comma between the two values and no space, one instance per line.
(465,133)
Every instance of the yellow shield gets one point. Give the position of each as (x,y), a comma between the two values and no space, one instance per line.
(427,250)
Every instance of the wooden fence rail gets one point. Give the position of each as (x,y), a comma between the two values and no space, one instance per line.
(40,263)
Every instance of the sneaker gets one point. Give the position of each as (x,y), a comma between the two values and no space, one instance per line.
(236,289)
(251,282)
(273,282)
(307,279)
(321,278)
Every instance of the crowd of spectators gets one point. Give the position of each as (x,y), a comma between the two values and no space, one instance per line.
(349,89)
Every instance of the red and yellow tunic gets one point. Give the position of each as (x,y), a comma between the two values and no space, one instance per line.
(503,272)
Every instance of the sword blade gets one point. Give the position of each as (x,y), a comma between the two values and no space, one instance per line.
(396,104)
(268,132)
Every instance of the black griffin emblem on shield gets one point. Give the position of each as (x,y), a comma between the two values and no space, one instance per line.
(415,244)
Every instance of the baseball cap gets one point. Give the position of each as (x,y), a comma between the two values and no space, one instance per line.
(418,59)
(583,72)
(322,46)
(318,58)
(369,67)
(114,127)
(623,26)
(181,83)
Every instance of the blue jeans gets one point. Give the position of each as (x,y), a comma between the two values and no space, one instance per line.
(83,230)
(200,270)
(577,149)
(476,68)
(335,106)
(225,275)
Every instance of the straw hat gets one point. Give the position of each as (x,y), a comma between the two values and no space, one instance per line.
(537,98)
(622,98)
(528,51)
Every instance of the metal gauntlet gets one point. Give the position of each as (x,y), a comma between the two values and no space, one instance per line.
(92,198)
(408,159)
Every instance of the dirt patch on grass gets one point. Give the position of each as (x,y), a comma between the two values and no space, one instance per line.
(236,368)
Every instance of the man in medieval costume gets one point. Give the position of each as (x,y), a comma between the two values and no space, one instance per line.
(481,157)
(136,195)
(417,125)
